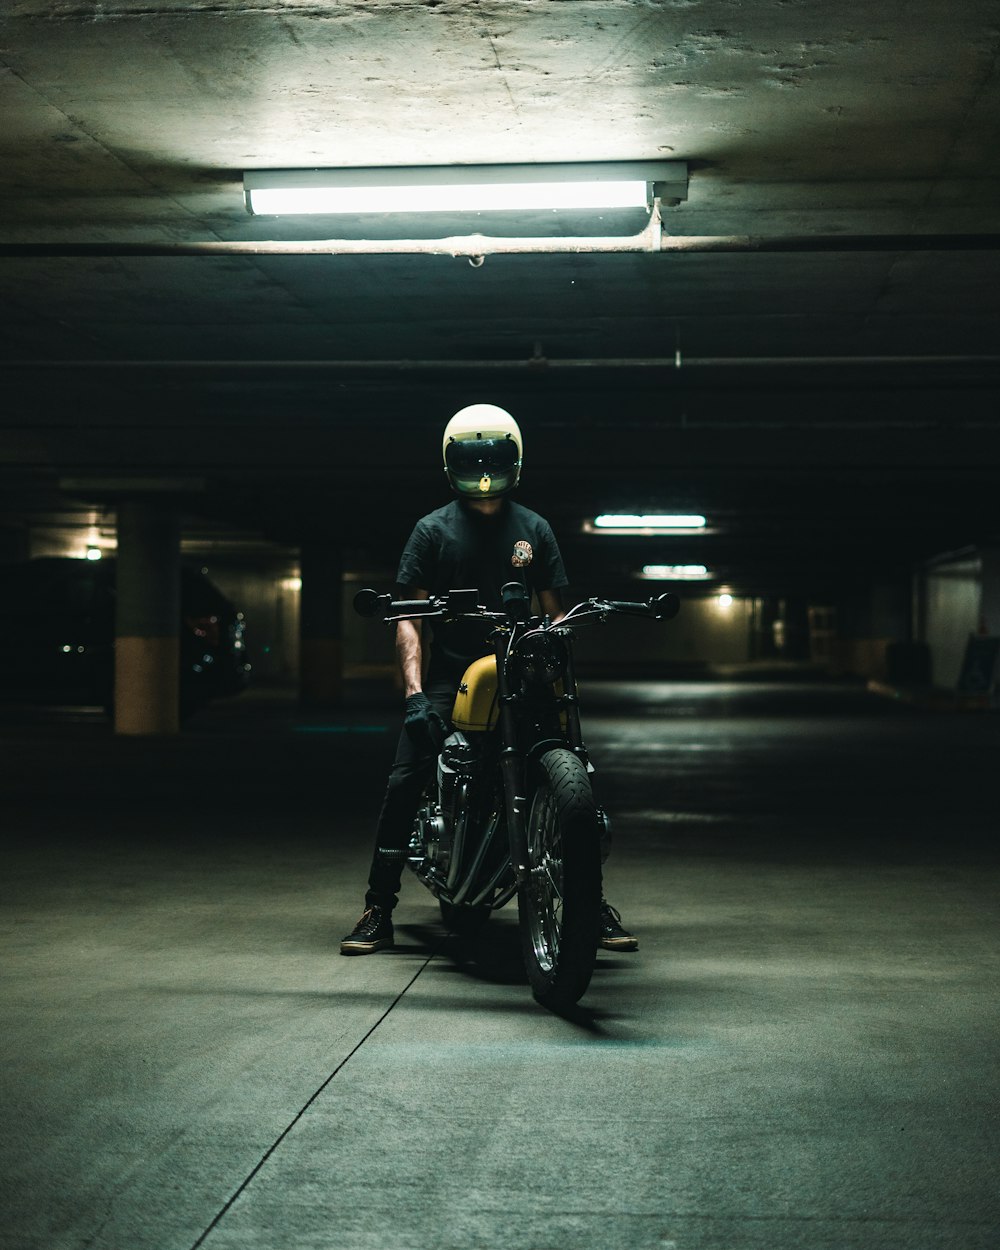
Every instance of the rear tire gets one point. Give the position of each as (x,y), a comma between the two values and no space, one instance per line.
(559,904)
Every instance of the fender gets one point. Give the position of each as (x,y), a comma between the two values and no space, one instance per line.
(539,748)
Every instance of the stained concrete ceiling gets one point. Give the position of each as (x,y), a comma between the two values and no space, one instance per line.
(836,404)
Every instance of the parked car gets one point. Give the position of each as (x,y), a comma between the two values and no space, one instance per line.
(57,633)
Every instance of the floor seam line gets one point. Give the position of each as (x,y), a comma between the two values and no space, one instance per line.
(258,1167)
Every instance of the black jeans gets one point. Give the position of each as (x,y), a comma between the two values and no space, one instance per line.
(411,770)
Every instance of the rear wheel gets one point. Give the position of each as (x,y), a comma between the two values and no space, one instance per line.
(559,904)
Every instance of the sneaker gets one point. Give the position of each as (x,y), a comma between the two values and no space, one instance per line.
(613,936)
(372,932)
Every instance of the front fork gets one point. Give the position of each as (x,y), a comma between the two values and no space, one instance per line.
(512,762)
(571,704)
(574,736)
(512,767)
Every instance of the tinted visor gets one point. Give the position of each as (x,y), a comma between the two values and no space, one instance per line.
(482,466)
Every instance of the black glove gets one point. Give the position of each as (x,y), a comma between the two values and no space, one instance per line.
(424,726)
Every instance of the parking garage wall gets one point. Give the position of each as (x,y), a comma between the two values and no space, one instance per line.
(706,632)
(953,611)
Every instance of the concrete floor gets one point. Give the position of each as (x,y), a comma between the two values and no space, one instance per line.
(803,1053)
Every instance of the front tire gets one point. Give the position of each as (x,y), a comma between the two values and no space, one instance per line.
(559,904)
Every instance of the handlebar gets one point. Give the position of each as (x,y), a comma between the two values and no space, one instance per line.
(466,603)
(663,608)
(454,603)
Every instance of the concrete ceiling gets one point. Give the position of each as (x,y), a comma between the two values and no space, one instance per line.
(837,401)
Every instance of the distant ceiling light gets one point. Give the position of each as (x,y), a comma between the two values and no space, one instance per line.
(675,572)
(631,521)
(464,188)
(94,553)
(725,600)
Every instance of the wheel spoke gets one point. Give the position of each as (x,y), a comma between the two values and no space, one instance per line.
(554,872)
(564,881)
(548,886)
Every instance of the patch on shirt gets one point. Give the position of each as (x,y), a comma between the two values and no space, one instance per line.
(523,554)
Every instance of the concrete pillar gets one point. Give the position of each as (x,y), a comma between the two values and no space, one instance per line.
(989,611)
(794,631)
(147,661)
(763,644)
(321,653)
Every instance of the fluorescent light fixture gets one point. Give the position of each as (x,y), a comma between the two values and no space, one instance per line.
(464,188)
(648,521)
(675,572)
(474,198)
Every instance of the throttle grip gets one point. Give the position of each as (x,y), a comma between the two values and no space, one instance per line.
(663,608)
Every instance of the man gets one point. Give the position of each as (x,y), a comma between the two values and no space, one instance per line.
(482,539)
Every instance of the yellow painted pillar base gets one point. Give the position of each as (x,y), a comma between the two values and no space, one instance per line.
(321,671)
(146,681)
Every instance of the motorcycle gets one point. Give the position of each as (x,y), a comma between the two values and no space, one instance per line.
(511,810)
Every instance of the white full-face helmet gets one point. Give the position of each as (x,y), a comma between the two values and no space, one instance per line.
(482,452)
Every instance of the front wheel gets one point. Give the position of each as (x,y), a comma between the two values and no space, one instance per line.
(559,903)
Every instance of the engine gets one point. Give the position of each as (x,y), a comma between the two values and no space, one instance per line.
(437,818)
(455,763)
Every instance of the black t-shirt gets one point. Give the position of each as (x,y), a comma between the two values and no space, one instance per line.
(456,548)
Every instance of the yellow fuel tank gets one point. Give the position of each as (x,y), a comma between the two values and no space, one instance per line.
(476,707)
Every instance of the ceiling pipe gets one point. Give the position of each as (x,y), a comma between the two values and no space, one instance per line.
(476,247)
(529,364)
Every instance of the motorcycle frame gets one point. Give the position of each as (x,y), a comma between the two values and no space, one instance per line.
(514,760)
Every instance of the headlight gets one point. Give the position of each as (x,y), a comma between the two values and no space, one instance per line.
(542,656)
